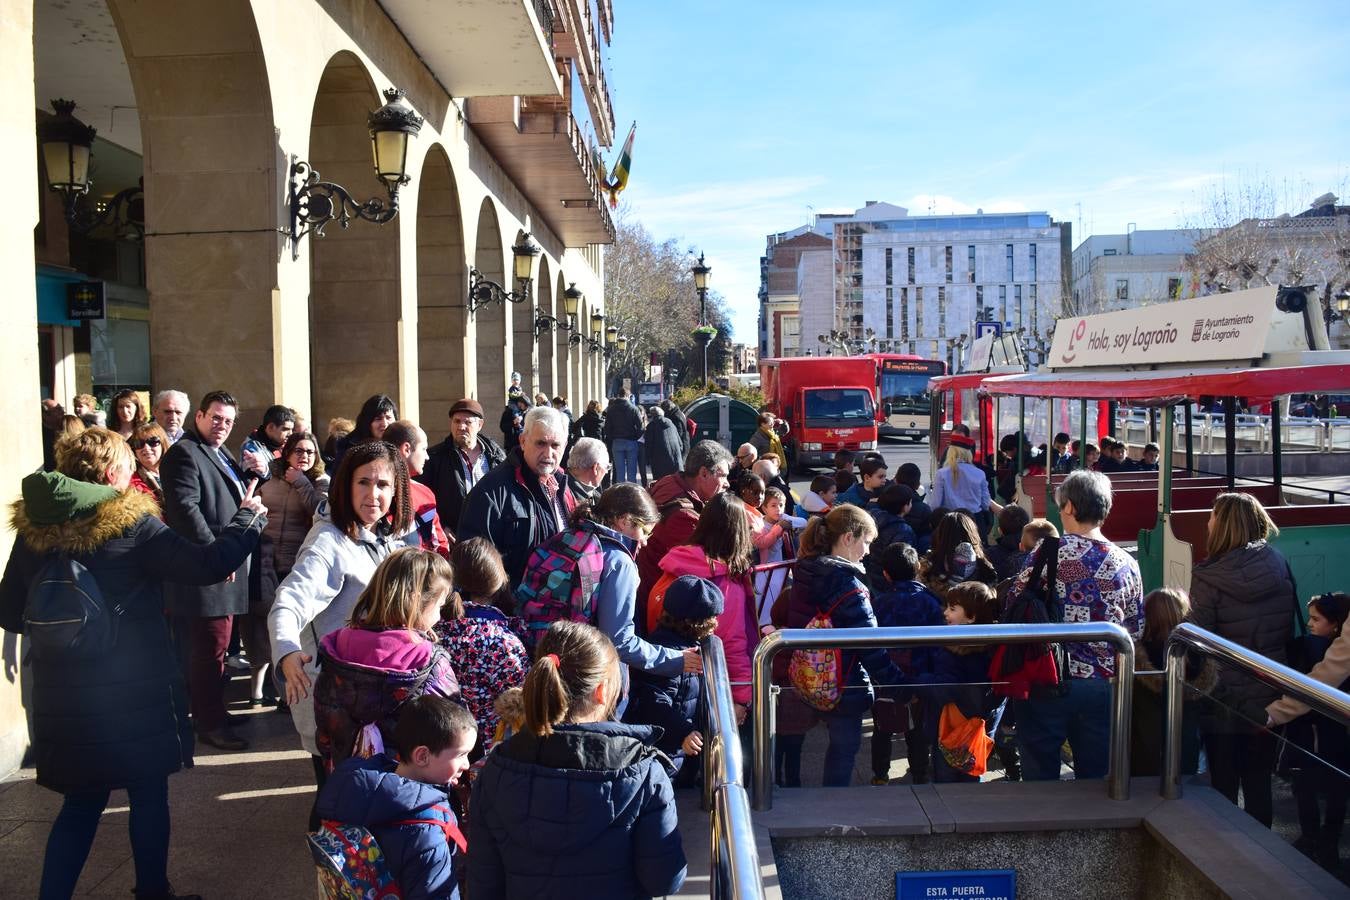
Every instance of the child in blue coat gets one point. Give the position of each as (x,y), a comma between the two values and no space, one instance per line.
(404,803)
(901,600)
(959,675)
(674,703)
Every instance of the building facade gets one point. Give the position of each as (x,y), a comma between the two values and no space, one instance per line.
(917,284)
(208,106)
(1138,268)
(780,289)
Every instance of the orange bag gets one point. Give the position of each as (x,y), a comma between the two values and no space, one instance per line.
(656,600)
(965,746)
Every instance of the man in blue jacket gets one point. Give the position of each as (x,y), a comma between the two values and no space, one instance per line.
(404,804)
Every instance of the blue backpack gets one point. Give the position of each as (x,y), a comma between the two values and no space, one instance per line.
(65,613)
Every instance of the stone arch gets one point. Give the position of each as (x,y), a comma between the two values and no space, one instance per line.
(547,378)
(355,305)
(210,168)
(581,351)
(445,352)
(492,329)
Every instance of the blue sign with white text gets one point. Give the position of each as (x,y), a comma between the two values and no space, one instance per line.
(983,884)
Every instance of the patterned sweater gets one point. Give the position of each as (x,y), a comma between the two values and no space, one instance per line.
(1097,582)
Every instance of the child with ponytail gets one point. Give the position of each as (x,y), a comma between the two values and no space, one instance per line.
(574,805)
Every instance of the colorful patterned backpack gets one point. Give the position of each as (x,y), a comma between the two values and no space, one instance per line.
(819,675)
(351,866)
(560,581)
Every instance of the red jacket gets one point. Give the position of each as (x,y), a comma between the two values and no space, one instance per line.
(427,520)
(679,506)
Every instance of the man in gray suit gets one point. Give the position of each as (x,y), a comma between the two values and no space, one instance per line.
(203,488)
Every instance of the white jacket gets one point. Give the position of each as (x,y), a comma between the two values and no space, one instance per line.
(317,598)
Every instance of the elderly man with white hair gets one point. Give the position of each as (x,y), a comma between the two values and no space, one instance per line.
(524,501)
(170,411)
(745,461)
(587,465)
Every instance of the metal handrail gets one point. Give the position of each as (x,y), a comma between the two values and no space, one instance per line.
(1118,775)
(734,856)
(1185,637)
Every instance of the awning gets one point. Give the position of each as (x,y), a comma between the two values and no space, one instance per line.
(1161,388)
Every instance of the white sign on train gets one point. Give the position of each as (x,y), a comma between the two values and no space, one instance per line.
(1219,327)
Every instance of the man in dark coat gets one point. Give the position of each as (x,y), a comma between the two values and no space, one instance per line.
(664,455)
(524,501)
(623,427)
(203,488)
(457,463)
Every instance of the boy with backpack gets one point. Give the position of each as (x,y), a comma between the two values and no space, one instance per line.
(403,804)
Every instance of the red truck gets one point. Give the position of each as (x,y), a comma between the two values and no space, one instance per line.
(827,402)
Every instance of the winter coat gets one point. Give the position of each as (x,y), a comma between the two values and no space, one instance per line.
(672,703)
(677,415)
(813,505)
(1007,556)
(664,454)
(509,508)
(679,505)
(615,607)
(290,516)
(768,442)
(891,529)
(1148,710)
(859,496)
(591,425)
(738,625)
(954,674)
(444,474)
(317,598)
(488,657)
(512,424)
(623,422)
(907,604)
(1332,669)
(121,718)
(835,585)
(368,792)
(940,584)
(200,500)
(919,518)
(1247,596)
(586,811)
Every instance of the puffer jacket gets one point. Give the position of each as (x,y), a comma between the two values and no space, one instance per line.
(1247,596)
(365,677)
(106,722)
(835,585)
(738,625)
(672,703)
(586,811)
(290,515)
(368,792)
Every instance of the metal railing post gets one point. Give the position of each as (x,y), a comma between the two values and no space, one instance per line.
(1321,697)
(1118,776)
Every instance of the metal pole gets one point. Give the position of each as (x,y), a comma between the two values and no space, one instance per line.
(1118,777)
(1190,450)
(1165,461)
(1082,434)
(1176,696)
(1230,440)
(1276,460)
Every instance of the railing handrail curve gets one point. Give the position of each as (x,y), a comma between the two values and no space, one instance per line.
(1118,776)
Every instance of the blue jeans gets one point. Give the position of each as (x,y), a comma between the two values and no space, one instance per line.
(73,832)
(625,460)
(1082,717)
(845,739)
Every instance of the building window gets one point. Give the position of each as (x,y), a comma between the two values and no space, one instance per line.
(888,265)
(1017,303)
(1122,289)
(904,313)
(918,310)
(1109,252)
(949,265)
(911,265)
(1033,262)
(890,305)
(942,312)
(1003,303)
(970,262)
(1174,289)
(1007,252)
(979,301)
(1031,295)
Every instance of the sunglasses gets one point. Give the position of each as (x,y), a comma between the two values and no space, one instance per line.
(138,443)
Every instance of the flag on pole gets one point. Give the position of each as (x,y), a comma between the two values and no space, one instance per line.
(618,176)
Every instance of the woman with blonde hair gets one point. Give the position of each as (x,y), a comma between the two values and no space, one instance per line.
(960,484)
(1243,591)
(829,578)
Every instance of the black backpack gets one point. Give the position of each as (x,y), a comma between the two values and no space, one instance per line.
(66,615)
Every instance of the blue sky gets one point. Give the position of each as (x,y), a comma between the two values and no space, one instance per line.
(751,113)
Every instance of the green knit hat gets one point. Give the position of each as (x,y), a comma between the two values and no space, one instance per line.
(51,498)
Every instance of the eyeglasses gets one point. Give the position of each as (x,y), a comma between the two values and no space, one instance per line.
(138,443)
(302,451)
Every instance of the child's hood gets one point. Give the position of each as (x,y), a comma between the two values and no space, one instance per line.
(369,792)
(690,560)
(391,650)
(812,502)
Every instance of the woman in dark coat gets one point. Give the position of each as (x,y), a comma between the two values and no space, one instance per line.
(664,455)
(119,719)
(1243,591)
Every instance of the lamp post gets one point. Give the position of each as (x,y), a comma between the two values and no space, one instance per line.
(483,291)
(544,322)
(67,148)
(700,272)
(314,202)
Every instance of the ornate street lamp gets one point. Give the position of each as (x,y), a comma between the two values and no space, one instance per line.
(314,202)
(67,149)
(700,271)
(544,322)
(483,291)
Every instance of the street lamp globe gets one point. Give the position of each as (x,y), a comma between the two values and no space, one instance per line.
(390,128)
(700,271)
(571,299)
(1343,302)
(523,254)
(67,144)
(622,343)
(597,320)
(612,334)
